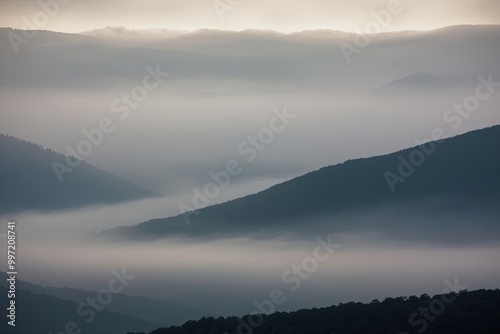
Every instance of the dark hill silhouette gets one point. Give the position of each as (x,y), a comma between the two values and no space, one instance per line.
(464,313)
(28,181)
(464,172)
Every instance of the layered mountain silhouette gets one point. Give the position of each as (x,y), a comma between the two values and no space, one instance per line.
(28,181)
(75,60)
(38,313)
(155,311)
(455,183)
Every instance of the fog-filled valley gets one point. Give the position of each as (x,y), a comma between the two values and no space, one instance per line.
(218,167)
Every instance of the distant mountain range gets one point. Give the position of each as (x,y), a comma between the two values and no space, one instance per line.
(100,58)
(29,182)
(38,313)
(151,312)
(456,184)
(418,81)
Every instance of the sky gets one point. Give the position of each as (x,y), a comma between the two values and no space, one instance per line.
(278,15)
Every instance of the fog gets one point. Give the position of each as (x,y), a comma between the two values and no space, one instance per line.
(164,146)
(195,120)
(222,88)
(226,275)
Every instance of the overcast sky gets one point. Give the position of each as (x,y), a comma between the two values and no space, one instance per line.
(280,15)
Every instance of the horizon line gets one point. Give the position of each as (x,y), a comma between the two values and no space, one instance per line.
(165,29)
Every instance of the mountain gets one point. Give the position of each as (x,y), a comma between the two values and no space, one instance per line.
(456,183)
(455,313)
(416,81)
(29,181)
(315,58)
(155,311)
(45,314)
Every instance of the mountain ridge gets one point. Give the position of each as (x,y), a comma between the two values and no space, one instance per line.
(392,315)
(49,314)
(29,181)
(157,311)
(357,184)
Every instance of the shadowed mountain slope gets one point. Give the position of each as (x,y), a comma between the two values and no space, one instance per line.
(460,172)
(28,181)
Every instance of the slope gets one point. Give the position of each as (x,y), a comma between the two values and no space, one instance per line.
(458,173)
(152,310)
(29,182)
(45,314)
